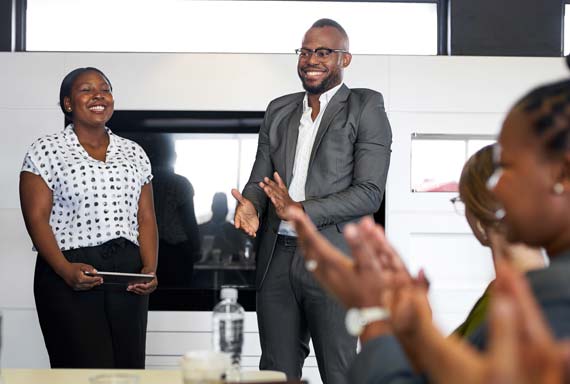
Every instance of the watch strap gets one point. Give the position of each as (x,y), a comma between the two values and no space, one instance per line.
(358,318)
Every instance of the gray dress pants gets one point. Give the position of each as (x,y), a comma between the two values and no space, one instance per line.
(291,308)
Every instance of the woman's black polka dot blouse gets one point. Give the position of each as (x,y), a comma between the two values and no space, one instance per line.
(93,201)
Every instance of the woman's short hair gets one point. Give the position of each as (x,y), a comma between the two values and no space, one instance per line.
(67,84)
(473,189)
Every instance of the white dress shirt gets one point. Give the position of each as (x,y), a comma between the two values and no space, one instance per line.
(305,141)
(93,201)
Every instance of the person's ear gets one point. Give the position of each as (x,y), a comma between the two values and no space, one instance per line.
(67,104)
(562,176)
(346,59)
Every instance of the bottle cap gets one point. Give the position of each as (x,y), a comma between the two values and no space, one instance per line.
(229,293)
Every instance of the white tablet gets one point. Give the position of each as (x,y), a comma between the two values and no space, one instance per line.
(122,278)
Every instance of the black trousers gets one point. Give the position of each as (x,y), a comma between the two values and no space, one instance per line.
(104,327)
(176,264)
(291,308)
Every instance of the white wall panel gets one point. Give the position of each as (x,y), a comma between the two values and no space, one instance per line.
(178,343)
(449,322)
(30,80)
(22,342)
(356,74)
(194,81)
(21,128)
(466,84)
(198,321)
(451,260)
(17,262)
(454,301)
(173,362)
(403,226)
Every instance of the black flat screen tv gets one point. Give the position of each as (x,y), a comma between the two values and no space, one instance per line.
(197,158)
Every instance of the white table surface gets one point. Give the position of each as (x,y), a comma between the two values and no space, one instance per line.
(81,376)
(148,376)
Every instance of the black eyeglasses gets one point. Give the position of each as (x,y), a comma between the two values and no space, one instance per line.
(458,205)
(320,53)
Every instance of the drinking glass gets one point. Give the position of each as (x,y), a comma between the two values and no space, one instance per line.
(205,367)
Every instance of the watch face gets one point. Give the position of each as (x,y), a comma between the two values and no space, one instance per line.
(353,322)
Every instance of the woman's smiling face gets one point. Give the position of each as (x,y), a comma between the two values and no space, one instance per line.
(91,100)
(524,181)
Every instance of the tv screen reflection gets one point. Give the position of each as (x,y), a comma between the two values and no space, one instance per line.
(193,175)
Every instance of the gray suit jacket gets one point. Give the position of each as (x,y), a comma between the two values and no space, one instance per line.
(347,168)
(382,360)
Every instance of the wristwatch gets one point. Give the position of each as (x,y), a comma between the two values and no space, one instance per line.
(357,318)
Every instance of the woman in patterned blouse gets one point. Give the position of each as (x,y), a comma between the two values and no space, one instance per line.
(86,197)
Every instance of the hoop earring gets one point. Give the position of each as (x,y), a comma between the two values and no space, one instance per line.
(558,188)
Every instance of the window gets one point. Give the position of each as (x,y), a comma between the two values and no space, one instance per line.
(437,160)
(225,26)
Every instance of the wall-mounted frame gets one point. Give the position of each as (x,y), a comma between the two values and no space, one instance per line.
(437,159)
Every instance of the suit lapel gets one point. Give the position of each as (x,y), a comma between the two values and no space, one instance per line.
(335,105)
(291,135)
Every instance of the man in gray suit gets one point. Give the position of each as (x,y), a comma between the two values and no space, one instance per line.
(326,151)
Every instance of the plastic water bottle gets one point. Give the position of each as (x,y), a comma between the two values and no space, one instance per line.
(227,329)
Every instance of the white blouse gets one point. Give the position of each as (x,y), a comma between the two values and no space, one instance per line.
(93,201)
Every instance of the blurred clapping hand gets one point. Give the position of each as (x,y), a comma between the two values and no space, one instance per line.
(374,277)
(521,348)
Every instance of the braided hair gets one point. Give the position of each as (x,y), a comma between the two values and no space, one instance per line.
(549,106)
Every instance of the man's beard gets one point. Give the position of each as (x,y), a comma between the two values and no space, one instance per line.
(328,82)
